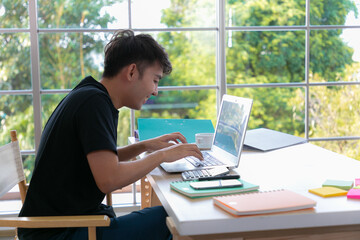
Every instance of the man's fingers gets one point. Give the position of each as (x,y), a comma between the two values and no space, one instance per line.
(179,136)
(195,151)
(184,150)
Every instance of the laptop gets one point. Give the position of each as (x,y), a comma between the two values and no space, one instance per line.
(264,139)
(228,138)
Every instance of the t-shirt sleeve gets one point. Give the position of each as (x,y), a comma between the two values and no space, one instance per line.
(96,123)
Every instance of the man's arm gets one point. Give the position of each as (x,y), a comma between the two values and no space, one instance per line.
(111,174)
(135,149)
(130,151)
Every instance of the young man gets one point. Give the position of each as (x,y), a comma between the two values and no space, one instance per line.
(78,161)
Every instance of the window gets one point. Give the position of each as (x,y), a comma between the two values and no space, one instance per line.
(298,60)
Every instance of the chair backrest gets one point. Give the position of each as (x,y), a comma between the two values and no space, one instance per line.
(11,167)
(12,170)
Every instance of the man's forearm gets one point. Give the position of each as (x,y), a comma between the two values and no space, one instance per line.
(110,174)
(131,151)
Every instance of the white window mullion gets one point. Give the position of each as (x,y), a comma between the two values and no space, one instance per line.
(35,71)
(129,14)
(220,51)
(132,112)
(307,68)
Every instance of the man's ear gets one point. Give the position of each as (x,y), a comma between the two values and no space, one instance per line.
(131,71)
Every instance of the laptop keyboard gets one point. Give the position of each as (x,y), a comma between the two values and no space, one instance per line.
(208,161)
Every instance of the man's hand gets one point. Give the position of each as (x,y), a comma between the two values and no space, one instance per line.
(178,151)
(164,141)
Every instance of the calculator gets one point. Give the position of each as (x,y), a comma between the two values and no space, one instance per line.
(200,173)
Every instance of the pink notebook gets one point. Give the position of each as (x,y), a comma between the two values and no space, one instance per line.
(263,202)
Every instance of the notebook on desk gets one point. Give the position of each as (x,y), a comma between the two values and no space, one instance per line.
(228,138)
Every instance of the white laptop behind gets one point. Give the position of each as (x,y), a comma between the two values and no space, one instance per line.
(228,137)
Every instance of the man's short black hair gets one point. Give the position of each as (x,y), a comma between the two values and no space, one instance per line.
(126,48)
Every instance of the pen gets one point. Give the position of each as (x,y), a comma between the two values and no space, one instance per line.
(232,176)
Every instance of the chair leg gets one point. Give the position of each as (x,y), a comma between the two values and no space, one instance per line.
(92,233)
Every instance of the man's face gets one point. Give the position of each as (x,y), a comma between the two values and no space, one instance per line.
(146,85)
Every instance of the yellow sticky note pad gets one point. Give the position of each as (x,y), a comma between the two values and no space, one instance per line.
(328,192)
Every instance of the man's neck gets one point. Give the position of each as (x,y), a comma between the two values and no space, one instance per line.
(110,85)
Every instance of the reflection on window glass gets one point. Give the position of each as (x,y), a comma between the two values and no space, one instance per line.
(329,63)
(15,70)
(192,55)
(279,109)
(265,57)
(17,113)
(333,12)
(14,14)
(168,13)
(82,13)
(180,105)
(350,148)
(265,13)
(66,58)
(335,111)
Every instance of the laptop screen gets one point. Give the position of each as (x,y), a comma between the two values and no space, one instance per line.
(231,126)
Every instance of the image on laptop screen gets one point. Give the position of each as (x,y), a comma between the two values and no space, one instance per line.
(231,126)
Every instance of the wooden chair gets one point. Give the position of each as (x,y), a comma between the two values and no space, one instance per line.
(12,173)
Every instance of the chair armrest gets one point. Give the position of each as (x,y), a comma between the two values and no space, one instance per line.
(56,221)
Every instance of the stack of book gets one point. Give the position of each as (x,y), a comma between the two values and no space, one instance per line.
(334,188)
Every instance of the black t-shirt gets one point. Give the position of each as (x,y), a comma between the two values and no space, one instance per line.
(62,182)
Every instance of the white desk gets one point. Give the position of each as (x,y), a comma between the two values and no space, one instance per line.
(297,168)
